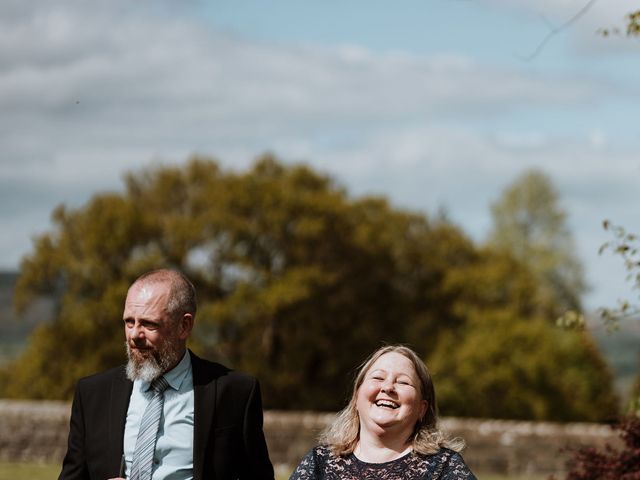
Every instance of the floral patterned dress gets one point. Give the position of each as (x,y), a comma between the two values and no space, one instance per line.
(321,464)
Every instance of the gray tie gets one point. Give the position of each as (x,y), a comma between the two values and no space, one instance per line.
(148,433)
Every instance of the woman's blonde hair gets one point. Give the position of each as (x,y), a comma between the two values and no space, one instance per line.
(344,432)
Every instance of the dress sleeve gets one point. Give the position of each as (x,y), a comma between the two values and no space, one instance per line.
(308,468)
(456,469)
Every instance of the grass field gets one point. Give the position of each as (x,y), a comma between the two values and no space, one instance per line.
(18,471)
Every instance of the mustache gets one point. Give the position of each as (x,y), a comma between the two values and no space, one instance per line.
(139,344)
(138,352)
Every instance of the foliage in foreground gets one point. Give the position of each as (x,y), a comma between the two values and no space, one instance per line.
(626,246)
(298,282)
(590,463)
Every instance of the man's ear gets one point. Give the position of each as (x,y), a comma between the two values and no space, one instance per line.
(185,326)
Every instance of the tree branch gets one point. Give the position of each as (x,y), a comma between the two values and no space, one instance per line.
(555,30)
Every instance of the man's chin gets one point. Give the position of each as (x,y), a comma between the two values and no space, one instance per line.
(142,364)
(147,364)
(143,369)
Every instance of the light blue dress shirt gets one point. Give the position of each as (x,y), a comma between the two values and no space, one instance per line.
(173,458)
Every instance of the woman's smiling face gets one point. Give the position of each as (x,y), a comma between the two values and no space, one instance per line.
(389,399)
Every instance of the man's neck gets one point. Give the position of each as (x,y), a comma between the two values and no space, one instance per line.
(175,364)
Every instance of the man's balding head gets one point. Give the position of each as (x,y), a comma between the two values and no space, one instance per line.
(182,294)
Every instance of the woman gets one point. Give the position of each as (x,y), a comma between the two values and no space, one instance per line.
(388,429)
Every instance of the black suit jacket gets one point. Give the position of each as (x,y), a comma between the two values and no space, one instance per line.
(228,439)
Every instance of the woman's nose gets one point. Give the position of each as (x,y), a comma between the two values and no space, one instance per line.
(387,385)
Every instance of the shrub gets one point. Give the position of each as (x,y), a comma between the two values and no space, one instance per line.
(589,463)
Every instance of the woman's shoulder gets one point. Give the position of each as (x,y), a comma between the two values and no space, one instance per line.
(442,452)
(312,464)
(319,455)
(449,462)
(320,452)
(322,449)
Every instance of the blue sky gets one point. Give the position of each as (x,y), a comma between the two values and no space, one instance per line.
(430,103)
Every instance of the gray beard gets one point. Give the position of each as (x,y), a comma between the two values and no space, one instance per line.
(149,368)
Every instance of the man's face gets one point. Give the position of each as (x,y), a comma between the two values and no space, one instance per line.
(155,342)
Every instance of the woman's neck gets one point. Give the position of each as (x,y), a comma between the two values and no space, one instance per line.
(375,449)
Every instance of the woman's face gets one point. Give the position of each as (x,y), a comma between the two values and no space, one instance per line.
(389,399)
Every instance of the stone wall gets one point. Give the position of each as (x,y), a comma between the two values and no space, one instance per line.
(493,446)
(33,431)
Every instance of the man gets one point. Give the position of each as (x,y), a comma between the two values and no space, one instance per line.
(167,414)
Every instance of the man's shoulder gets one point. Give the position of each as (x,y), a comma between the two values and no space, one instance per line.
(104,377)
(207,370)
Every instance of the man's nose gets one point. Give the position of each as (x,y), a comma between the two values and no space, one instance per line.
(137,332)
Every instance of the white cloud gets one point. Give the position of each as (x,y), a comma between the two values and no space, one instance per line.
(113,83)
(522,139)
(89,90)
(597,138)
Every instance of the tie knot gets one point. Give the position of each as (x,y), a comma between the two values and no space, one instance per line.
(159,385)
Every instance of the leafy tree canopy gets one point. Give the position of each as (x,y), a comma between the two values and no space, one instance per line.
(297,283)
(529,223)
(524,370)
(508,360)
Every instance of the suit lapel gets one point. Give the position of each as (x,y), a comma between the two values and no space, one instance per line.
(120,394)
(204,395)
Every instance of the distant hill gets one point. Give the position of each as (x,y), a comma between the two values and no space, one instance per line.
(14,328)
(621,349)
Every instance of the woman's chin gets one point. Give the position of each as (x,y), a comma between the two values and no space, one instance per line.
(385,426)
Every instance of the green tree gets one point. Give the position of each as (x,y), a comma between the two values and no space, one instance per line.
(508,357)
(524,370)
(626,245)
(297,281)
(529,222)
